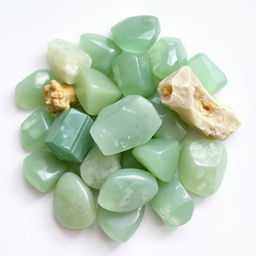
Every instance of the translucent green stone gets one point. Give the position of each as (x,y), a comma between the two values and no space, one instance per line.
(69,137)
(128,160)
(101,49)
(136,34)
(95,90)
(128,123)
(42,170)
(160,157)
(120,226)
(133,74)
(34,128)
(172,203)
(127,190)
(212,78)
(201,166)
(73,204)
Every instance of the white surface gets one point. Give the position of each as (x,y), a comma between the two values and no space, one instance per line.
(223,224)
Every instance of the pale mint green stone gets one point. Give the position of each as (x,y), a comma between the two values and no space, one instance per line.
(172,203)
(96,167)
(201,166)
(74,206)
(159,156)
(128,123)
(128,160)
(127,190)
(119,226)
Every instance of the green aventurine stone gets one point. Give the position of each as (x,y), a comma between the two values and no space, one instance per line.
(34,128)
(133,74)
(201,166)
(120,226)
(42,170)
(128,160)
(69,137)
(172,203)
(212,78)
(136,34)
(160,157)
(73,204)
(95,90)
(127,190)
(128,123)
(101,49)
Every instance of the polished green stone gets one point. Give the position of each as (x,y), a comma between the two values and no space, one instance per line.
(212,78)
(128,123)
(42,170)
(73,204)
(69,137)
(120,226)
(95,90)
(172,203)
(201,166)
(136,34)
(133,74)
(159,156)
(127,190)
(34,128)
(128,160)
(101,49)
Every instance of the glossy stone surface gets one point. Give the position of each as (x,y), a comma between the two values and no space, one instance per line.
(172,203)
(101,49)
(128,160)
(69,137)
(136,34)
(127,190)
(159,156)
(212,78)
(42,170)
(73,204)
(128,123)
(201,166)
(119,226)
(133,74)
(95,90)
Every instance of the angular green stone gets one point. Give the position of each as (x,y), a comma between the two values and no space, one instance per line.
(120,226)
(73,204)
(128,123)
(127,190)
(128,160)
(101,49)
(133,74)
(201,166)
(160,157)
(95,90)
(136,34)
(42,170)
(212,78)
(172,203)
(69,137)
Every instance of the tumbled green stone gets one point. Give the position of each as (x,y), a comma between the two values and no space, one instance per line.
(127,190)
(101,49)
(172,203)
(73,205)
(42,170)
(159,156)
(201,166)
(95,90)
(120,226)
(128,160)
(34,128)
(129,122)
(212,78)
(136,34)
(133,74)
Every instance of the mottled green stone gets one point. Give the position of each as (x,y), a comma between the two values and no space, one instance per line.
(128,160)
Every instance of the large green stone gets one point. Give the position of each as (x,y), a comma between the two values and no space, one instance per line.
(128,160)
(127,190)
(201,166)
(136,34)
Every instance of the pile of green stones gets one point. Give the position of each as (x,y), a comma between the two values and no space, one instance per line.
(119,148)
